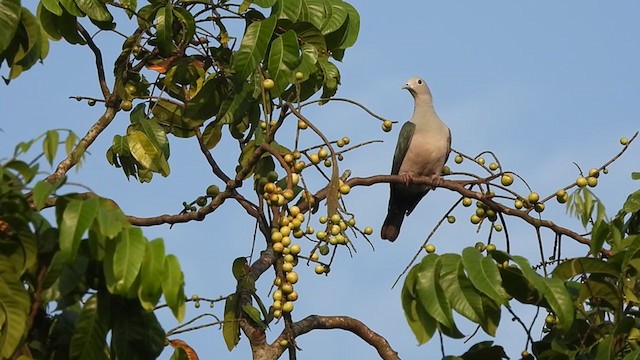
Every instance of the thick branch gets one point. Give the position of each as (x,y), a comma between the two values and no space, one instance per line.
(76,154)
(355,326)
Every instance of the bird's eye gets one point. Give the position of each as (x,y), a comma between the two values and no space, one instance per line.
(419,82)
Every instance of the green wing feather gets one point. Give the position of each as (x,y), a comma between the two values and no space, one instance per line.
(404,140)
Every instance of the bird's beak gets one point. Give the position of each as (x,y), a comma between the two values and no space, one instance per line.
(405,87)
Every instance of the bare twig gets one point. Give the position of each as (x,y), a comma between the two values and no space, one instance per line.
(99,64)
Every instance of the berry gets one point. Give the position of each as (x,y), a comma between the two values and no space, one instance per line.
(506,179)
(624,141)
(518,204)
(319,269)
(451,219)
(581,181)
(458,159)
(475,219)
(491,247)
(299,75)
(480,160)
(91,102)
(126,105)
(368,230)
(493,166)
(213,190)
(466,202)
(387,125)
(268,84)
(533,197)
(430,248)
(594,172)
(592,181)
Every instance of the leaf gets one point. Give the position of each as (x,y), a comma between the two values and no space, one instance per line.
(151,272)
(253,47)
(177,344)
(314,12)
(585,265)
(111,219)
(123,260)
(76,220)
(164,26)
(599,234)
(136,333)
(459,290)
(53,6)
(338,14)
(553,290)
(635,175)
(484,275)
(212,134)
(429,292)
(231,326)
(206,103)
(95,9)
(89,335)
(287,9)
(604,351)
(156,134)
(143,150)
(41,192)
(422,324)
(331,78)
(14,307)
(264,3)
(254,314)
(9,21)
(353,28)
(50,145)
(634,355)
(284,56)
(231,110)
(633,202)
(173,287)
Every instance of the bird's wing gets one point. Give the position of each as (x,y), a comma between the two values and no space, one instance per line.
(448,147)
(404,140)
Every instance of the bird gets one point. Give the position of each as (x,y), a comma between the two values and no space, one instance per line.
(423,147)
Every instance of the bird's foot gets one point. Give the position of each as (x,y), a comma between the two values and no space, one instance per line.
(437,180)
(407,178)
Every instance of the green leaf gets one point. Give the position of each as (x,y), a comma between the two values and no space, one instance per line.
(72,9)
(96,9)
(422,324)
(77,218)
(353,28)
(231,110)
(633,202)
(585,265)
(123,260)
(287,9)
(254,314)
(308,34)
(331,78)
(337,15)
(212,134)
(635,175)
(50,145)
(173,287)
(149,156)
(264,3)
(314,12)
(484,275)
(231,326)
(429,292)
(599,234)
(283,58)
(605,293)
(188,25)
(634,355)
(206,103)
(14,307)
(9,21)
(553,290)
(111,219)
(89,336)
(68,27)
(459,290)
(41,192)
(131,6)
(156,134)
(136,333)
(151,272)
(253,47)
(164,25)
(605,348)
(53,6)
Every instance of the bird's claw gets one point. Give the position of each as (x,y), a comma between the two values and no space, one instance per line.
(406,178)
(437,180)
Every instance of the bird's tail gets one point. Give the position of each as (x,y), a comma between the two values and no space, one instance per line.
(392,224)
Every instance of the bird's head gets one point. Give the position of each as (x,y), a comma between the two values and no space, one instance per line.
(418,88)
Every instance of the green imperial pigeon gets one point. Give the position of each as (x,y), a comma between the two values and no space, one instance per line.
(423,147)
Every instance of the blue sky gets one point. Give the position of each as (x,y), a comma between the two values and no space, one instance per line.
(541,84)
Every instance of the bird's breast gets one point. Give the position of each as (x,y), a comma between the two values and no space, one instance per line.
(426,155)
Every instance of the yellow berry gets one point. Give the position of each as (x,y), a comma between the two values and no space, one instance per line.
(592,181)
(319,269)
(299,75)
(538,207)
(533,197)
(451,219)
(284,343)
(126,105)
(292,277)
(430,248)
(458,159)
(518,204)
(581,181)
(498,227)
(287,307)
(268,84)
(491,248)
(475,219)
(466,202)
(286,267)
(480,160)
(624,141)
(387,125)
(314,158)
(493,166)
(506,180)
(368,230)
(594,172)
(344,189)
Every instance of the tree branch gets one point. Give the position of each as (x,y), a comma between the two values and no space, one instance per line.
(355,326)
(72,159)
(99,63)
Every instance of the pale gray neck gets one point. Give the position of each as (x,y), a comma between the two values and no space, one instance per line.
(423,111)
